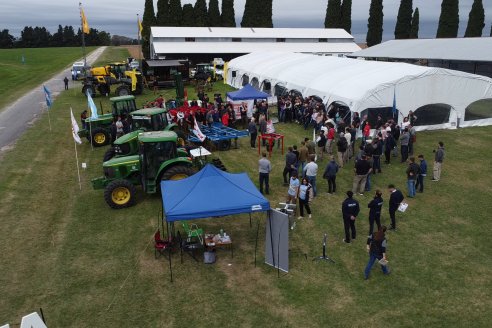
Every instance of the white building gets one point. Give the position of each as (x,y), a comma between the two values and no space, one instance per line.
(207,43)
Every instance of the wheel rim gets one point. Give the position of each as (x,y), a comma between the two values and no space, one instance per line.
(120,195)
(179,176)
(99,138)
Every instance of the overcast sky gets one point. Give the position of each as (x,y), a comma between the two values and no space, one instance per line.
(119,16)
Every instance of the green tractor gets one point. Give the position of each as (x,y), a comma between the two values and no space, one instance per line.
(158,159)
(98,130)
(143,120)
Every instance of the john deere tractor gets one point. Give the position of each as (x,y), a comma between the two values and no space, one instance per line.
(143,120)
(158,159)
(127,81)
(98,130)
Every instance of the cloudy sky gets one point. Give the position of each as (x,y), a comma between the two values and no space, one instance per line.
(119,16)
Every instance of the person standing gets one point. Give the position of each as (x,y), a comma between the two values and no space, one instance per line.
(362,170)
(396,197)
(423,173)
(263,128)
(330,174)
(310,172)
(264,168)
(375,206)
(253,132)
(376,247)
(376,155)
(305,197)
(321,143)
(290,162)
(303,155)
(404,140)
(388,145)
(330,138)
(65,81)
(342,146)
(413,172)
(311,146)
(350,210)
(438,159)
(293,191)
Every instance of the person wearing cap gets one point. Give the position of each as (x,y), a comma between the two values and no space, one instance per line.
(350,210)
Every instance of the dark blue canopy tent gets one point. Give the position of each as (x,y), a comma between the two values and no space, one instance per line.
(246,93)
(211,192)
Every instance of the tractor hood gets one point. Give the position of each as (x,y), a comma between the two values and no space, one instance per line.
(103,117)
(127,137)
(117,161)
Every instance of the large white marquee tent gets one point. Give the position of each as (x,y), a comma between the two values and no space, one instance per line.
(441,95)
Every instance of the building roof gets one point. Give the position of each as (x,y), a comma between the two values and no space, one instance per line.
(248,47)
(460,49)
(235,32)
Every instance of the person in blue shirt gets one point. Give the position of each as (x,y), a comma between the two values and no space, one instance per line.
(423,173)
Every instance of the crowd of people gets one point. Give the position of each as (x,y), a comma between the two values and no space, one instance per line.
(336,136)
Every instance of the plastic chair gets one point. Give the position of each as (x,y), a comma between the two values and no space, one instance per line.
(193,231)
(160,246)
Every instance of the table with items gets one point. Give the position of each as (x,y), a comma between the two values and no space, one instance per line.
(212,242)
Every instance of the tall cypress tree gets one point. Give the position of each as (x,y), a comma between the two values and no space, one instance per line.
(375,23)
(188,15)
(227,17)
(175,13)
(250,18)
(265,13)
(148,20)
(404,20)
(162,17)
(449,20)
(476,20)
(346,19)
(414,31)
(333,14)
(213,13)
(201,14)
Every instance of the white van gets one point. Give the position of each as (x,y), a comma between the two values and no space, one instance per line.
(77,70)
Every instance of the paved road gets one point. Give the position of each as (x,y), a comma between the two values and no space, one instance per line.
(20,115)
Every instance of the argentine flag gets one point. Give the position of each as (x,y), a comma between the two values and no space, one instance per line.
(47,96)
(92,106)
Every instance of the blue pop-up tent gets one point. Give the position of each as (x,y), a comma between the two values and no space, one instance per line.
(211,192)
(247,93)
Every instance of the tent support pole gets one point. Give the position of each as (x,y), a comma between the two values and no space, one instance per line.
(256,243)
(170,265)
(250,220)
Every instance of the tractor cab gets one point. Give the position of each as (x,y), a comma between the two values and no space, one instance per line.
(150,119)
(123,105)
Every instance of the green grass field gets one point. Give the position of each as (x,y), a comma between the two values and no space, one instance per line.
(40,65)
(65,251)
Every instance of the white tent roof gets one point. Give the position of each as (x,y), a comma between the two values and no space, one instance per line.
(460,49)
(363,84)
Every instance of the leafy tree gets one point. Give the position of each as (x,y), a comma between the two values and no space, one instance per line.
(69,36)
(227,17)
(201,14)
(250,18)
(404,20)
(333,14)
(148,20)
(57,38)
(375,23)
(213,13)
(346,19)
(163,14)
(449,20)
(175,13)
(414,31)
(188,15)
(476,20)
(6,40)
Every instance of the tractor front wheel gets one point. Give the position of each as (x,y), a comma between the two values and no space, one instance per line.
(90,89)
(122,90)
(120,194)
(178,172)
(100,137)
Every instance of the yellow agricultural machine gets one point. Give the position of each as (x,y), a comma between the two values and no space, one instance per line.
(102,79)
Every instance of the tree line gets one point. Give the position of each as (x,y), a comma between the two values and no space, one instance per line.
(40,37)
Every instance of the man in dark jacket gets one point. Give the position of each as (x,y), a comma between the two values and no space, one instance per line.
(388,146)
(375,211)
(290,164)
(362,170)
(253,132)
(350,210)
(413,172)
(330,174)
(396,197)
(438,159)
(321,143)
(423,173)
(342,146)
(404,140)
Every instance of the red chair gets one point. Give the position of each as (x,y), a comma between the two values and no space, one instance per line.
(160,246)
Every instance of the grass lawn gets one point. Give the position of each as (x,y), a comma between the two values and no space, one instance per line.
(40,64)
(64,250)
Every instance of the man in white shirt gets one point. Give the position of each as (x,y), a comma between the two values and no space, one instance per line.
(310,172)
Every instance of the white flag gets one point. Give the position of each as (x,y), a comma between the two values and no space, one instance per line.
(198,132)
(75,128)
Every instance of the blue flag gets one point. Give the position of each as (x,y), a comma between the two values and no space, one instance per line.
(47,96)
(23,59)
(92,106)
(394,103)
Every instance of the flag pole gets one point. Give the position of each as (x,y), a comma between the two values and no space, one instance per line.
(77,159)
(90,133)
(83,34)
(49,117)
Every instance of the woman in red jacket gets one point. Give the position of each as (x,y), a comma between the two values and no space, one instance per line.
(225,119)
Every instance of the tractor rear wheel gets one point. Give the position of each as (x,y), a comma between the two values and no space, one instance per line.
(109,154)
(178,172)
(120,194)
(100,137)
(122,90)
(90,88)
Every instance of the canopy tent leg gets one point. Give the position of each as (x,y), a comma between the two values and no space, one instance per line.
(250,220)
(170,265)
(256,242)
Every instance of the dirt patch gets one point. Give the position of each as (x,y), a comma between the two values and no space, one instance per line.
(135,51)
